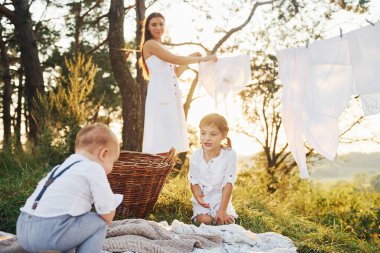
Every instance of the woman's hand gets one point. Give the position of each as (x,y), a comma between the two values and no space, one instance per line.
(222,218)
(211,57)
(200,200)
(196,54)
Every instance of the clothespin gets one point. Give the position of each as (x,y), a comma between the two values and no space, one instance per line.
(370,22)
(341,32)
(307,43)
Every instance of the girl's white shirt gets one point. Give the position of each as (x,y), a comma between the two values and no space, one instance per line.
(75,191)
(212,176)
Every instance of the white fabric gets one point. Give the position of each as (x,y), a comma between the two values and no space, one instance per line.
(237,239)
(165,125)
(74,192)
(212,176)
(371,103)
(316,89)
(365,54)
(227,74)
(328,93)
(318,83)
(292,74)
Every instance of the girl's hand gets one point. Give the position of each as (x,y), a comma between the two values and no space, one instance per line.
(223,218)
(200,200)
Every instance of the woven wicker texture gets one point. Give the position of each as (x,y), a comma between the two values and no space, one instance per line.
(140,178)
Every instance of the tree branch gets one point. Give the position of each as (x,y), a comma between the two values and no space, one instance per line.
(100,18)
(233,30)
(7,13)
(91,8)
(189,97)
(97,47)
(352,125)
(253,137)
(153,2)
(188,43)
(283,149)
(128,8)
(276,134)
(282,159)
(266,122)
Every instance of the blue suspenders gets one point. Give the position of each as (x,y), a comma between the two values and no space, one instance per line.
(49,182)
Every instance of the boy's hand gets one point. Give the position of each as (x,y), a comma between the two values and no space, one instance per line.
(222,218)
(200,200)
(108,217)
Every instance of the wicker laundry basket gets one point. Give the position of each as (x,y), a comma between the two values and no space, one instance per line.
(140,178)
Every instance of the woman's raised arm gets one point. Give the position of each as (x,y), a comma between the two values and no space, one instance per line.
(153,47)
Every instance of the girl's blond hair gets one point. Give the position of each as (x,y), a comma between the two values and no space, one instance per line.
(220,122)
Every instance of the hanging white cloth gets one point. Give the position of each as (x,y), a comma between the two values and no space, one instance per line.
(371,103)
(328,93)
(316,89)
(227,74)
(365,54)
(318,83)
(294,78)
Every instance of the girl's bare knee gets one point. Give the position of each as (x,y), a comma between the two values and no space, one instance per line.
(204,218)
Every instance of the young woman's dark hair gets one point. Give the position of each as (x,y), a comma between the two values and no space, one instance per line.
(147,36)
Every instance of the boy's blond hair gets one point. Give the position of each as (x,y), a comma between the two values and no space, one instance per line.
(91,137)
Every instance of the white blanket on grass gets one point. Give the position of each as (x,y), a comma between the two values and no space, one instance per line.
(235,239)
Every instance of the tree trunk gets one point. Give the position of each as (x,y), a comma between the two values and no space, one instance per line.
(140,16)
(189,98)
(20,94)
(78,26)
(30,61)
(130,92)
(7,93)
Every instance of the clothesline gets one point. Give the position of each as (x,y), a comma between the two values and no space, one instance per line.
(341,30)
(318,83)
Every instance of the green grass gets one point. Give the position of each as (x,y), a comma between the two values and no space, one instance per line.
(291,211)
(262,212)
(18,177)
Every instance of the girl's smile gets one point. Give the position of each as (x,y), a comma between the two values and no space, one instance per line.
(211,137)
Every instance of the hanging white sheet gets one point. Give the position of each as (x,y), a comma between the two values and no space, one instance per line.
(227,74)
(318,83)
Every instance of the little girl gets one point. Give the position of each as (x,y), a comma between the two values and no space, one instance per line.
(213,173)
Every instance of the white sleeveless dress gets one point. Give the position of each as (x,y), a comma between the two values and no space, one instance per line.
(165,125)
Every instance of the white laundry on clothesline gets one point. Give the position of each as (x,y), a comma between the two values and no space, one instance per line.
(318,84)
(226,75)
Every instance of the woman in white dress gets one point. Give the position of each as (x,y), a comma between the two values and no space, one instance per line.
(164,125)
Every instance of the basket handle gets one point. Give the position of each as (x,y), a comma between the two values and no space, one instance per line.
(169,158)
